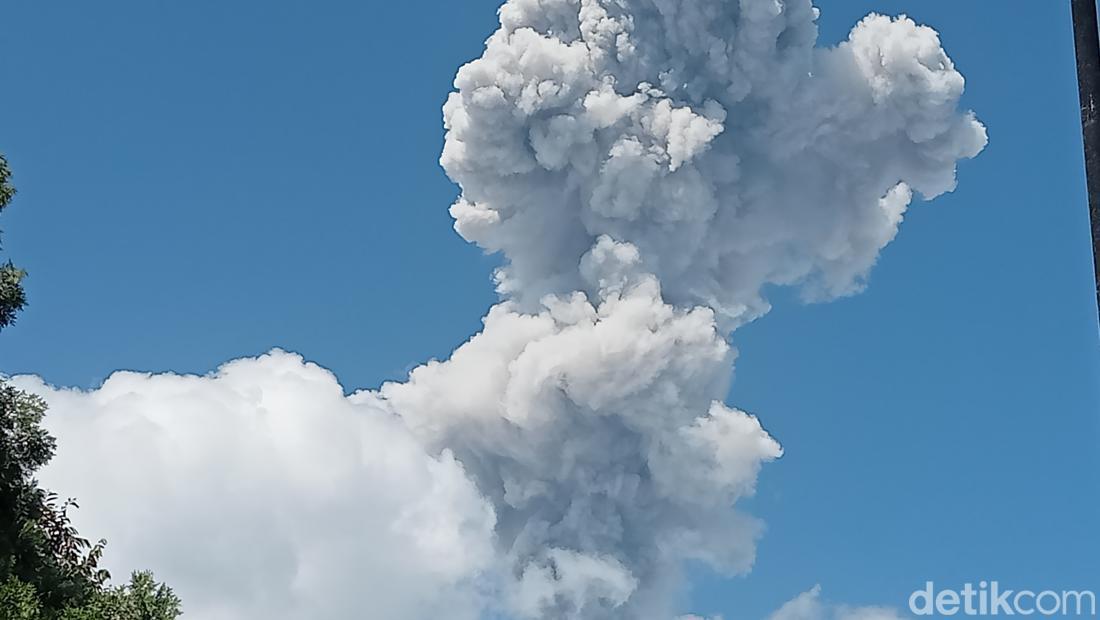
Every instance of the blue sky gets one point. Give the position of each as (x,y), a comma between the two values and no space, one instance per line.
(200,182)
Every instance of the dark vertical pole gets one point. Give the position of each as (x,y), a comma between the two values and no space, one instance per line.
(1087,44)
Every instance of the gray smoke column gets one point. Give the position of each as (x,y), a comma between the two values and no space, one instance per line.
(711,135)
(646,167)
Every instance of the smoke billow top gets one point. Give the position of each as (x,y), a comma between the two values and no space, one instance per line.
(646,168)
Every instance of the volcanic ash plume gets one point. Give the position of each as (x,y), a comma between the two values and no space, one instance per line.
(711,135)
(646,168)
(596,431)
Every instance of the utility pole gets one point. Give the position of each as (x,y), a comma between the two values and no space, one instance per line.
(1087,44)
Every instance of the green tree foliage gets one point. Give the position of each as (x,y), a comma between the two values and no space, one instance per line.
(19,601)
(47,570)
(38,544)
(141,599)
(12,299)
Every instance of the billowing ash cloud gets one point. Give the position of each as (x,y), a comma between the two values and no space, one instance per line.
(646,167)
(595,429)
(710,134)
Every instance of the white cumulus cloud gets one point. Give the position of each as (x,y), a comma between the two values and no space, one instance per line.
(261,491)
(810,606)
